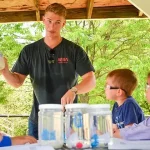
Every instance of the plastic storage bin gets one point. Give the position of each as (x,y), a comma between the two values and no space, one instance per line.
(51,129)
(77,126)
(100,125)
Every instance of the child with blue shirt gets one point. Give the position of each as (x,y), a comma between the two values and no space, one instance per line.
(139,131)
(18,140)
(120,84)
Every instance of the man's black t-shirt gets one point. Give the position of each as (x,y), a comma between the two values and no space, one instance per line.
(52,71)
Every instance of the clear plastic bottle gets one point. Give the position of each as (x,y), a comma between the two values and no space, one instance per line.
(51,129)
(2,63)
(100,125)
(77,126)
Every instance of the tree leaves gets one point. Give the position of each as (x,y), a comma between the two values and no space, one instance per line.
(110,44)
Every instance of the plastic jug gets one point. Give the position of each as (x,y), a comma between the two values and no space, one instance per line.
(51,129)
(77,126)
(100,125)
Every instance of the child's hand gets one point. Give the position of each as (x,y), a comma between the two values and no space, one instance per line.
(20,140)
(115,128)
(116,134)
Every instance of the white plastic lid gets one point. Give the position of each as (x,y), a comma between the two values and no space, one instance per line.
(50,106)
(95,106)
(76,106)
(101,112)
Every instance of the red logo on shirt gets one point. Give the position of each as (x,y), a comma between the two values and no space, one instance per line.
(62,60)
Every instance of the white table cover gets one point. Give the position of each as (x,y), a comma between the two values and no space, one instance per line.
(27,147)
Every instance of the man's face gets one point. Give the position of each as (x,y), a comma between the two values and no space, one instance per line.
(148,90)
(53,23)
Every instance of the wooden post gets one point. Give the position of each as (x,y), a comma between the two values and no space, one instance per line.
(89,8)
(37,10)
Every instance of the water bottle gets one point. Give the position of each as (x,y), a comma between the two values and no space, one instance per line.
(51,128)
(2,63)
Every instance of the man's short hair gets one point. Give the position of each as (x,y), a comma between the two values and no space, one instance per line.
(124,79)
(57,8)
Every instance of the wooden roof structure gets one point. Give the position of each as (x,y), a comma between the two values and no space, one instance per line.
(33,10)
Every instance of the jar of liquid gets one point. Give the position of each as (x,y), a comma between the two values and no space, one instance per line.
(51,129)
(2,63)
(77,126)
(100,125)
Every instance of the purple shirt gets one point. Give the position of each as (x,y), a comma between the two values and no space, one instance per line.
(139,131)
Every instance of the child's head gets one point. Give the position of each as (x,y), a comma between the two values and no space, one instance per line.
(57,8)
(148,88)
(120,82)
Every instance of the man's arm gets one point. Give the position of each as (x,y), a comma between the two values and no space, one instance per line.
(14,79)
(87,84)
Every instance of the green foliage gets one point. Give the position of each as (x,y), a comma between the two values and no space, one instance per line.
(114,44)
(4,93)
(110,44)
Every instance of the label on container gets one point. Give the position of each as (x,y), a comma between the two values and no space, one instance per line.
(78,122)
(48,135)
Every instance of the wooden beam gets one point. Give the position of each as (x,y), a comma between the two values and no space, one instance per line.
(90,4)
(98,13)
(16,5)
(21,16)
(76,13)
(37,10)
(106,13)
(116,12)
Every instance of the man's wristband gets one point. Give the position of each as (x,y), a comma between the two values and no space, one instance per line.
(6,141)
(74,89)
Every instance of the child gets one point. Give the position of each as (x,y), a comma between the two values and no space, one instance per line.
(139,131)
(120,84)
(19,140)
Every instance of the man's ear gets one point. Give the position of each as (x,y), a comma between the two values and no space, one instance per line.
(64,23)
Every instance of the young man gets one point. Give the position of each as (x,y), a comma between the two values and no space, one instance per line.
(18,140)
(120,84)
(53,64)
(139,131)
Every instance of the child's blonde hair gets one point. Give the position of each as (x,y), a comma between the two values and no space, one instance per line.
(124,79)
